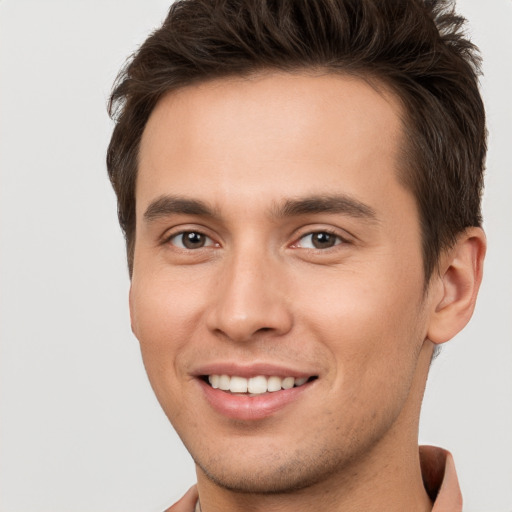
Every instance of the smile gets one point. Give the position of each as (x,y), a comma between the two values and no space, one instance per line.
(258,394)
(256,385)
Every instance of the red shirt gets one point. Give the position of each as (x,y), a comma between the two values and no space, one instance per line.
(437,469)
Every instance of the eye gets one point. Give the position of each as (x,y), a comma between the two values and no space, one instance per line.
(319,240)
(191,240)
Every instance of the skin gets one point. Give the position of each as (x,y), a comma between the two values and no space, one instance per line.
(354,314)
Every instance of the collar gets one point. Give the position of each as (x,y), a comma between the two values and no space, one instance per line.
(440,479)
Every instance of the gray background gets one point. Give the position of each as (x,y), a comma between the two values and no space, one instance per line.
(80,429)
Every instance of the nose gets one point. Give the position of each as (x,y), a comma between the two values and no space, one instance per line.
(250,299)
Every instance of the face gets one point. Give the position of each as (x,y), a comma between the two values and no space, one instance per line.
(277,290)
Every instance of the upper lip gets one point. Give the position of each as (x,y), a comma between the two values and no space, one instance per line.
(250,370)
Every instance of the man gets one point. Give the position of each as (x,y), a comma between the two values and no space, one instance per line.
(299,185)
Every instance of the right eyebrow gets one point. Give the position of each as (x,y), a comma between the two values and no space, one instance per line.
(338,203)
(170,205)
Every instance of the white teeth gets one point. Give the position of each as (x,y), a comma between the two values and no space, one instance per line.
(224,382)
(238,385)
(257,385)
(274,384)
(254,385)
(214,381)
(288,383)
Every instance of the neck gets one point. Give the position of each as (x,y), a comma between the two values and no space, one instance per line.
(387,477)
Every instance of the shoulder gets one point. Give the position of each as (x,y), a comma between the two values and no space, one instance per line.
(187,503)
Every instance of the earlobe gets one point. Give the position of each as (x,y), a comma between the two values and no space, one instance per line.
(458,284)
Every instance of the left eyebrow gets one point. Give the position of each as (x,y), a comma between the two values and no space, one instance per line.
(341,204)
(171,205)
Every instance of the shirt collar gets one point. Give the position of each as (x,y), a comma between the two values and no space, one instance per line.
(440,479)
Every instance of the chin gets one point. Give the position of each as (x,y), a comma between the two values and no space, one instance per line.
(276,482)
(273,476)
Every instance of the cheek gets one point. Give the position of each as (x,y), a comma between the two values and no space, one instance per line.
(372,329)
(165,314)
(164,308)
(363,310)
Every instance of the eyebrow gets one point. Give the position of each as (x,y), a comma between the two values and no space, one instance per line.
(167,205)
(341,204)
(172,205)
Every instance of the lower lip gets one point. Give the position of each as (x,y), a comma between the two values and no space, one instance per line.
(245,407)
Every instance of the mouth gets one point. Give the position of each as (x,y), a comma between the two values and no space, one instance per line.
(254,386)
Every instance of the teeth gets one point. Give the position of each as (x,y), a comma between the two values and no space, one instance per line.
(299,382)
(274,384)
(288,383)
(255,385)
(214,381)
(238,385)
(224,381)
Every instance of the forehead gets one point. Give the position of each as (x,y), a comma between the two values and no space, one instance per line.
(269,134)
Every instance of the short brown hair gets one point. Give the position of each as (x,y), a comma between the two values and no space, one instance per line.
(417,48)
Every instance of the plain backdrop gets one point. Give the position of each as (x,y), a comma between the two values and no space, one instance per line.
(80,430)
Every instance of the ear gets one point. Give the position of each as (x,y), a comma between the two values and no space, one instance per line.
(455,288)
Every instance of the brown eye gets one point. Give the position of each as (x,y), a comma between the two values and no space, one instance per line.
(190,240)
(319,240)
